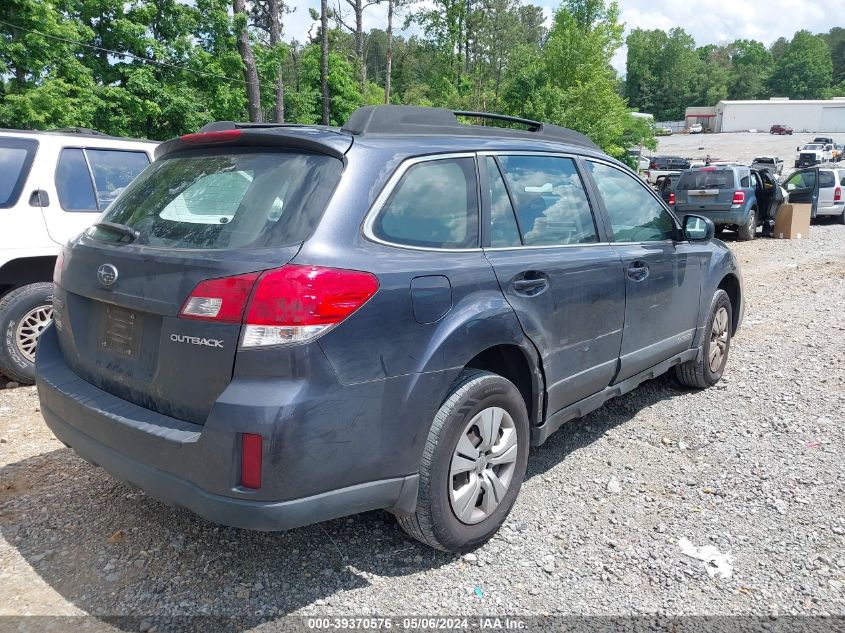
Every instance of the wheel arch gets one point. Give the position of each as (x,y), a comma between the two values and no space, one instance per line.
(522,367)
(730,284)
(24,271)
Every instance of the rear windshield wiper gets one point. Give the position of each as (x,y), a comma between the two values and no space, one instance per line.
(127,233)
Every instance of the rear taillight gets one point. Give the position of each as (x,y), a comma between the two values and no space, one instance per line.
(837,194)
(207,138)
(251,451)
(222,300)
(739,197)
(290,304)
(59,268)
(672,198)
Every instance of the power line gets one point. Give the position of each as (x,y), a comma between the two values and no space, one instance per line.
(137,57)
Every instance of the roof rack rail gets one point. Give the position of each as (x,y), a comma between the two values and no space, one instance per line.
(396,119)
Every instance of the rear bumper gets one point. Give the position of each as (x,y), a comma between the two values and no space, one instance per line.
(315,466)
(398,494)
(734,216)
(835,209)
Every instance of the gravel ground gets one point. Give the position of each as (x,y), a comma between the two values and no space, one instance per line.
(751,467)
(740,146)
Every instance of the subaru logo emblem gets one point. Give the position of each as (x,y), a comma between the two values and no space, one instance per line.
(107,274)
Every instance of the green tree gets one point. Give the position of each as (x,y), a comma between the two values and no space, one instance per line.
(805,71)
(751,66)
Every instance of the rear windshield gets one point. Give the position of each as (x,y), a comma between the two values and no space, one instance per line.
(16,156)
(709,179)
(209,200)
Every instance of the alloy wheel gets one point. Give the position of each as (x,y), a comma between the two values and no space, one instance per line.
(30,328)
(482,465)
(718,340)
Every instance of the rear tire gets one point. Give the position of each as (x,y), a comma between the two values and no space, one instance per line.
(748,230)
(24,313)
(473,464)
(842,218)
(707,370)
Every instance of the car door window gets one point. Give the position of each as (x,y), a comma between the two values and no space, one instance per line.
(113,170)
(16,157)
(435,205)
(801,180)
(73,182)
(503,229)
(635,214)
(551,205)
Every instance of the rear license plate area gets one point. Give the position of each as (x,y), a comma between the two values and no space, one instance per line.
(120,333)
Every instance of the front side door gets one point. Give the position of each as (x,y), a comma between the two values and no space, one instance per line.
(556,270)
(86,182)
(662,277)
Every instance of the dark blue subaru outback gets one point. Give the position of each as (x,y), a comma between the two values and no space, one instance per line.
(275,325)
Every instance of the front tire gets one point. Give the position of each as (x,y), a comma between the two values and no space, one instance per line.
(707,370)
(473,464)
(24,313)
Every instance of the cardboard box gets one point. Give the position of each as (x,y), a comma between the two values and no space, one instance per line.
(793,222)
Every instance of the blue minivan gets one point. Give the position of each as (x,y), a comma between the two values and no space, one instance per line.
(275,325)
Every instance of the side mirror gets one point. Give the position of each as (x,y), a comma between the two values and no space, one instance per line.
(698,228)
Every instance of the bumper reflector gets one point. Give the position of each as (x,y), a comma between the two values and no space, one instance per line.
(251,460)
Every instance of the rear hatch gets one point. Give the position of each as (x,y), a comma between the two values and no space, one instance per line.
(705,189)
(189,217)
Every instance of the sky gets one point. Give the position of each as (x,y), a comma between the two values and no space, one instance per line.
(711,22)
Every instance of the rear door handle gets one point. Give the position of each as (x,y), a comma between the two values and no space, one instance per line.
(638,271)
(534,285)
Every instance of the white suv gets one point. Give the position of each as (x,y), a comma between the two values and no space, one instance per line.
(53,185)
(801,186)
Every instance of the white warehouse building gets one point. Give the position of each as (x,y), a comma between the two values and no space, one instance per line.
(801,116)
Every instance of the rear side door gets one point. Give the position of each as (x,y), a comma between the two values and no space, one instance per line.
(827,185)
(662,277)
(87,180)
(556,269)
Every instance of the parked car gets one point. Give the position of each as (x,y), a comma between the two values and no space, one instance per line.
(663,130)
(696,128)
(664,165)
(801,184)
(53,185)
(824,140)
(666,188)
(350,339)
(735,197)
(770,163)
(813,154)
(641,159)
(780,129)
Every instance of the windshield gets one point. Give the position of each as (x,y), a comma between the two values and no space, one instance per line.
(764,159)
(812,147)
(209,200)
(706,179)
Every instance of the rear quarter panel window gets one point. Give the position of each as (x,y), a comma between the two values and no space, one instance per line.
(16,156)
(113,171)
(434,205)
